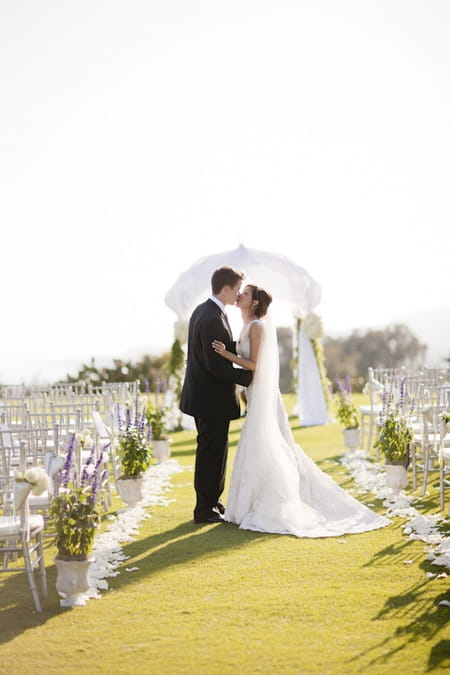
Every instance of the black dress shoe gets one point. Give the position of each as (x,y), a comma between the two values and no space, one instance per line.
(220,508)
(211,518)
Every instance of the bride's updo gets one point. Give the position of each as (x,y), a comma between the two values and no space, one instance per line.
(263,298)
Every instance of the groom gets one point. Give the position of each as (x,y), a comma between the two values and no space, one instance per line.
(209,392)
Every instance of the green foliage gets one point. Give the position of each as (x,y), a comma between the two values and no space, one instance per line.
(134,452)
(347,413)
(319,354)
(392,347)
(156,418)
(176,367)
(76,520)
(176,358)
(394,438)
(147,370)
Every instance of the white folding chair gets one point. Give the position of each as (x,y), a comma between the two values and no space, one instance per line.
(21,537)
(444,458)
(428,445)
(370,413)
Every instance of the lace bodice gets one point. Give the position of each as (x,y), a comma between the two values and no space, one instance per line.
(243,344)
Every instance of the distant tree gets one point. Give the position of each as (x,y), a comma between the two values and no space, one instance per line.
(148,370)
(393,347)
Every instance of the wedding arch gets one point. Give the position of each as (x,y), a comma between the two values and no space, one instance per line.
(291,287)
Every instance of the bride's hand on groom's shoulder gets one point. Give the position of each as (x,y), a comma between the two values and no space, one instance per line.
(218,347)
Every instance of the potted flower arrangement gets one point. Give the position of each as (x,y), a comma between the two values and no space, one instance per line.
(76,520)
(347,414)
(134,455)
(156,418)
(394,438)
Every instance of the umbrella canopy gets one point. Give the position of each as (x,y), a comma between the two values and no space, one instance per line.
(287,282)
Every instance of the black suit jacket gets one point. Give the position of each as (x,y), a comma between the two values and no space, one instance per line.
(209,388)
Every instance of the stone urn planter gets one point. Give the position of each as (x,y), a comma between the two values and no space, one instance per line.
(72,581)
(130,490)
(396,476)
(394,441)
(352,438)
(161,449)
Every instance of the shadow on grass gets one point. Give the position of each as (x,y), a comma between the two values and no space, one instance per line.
(17,612)
(182,444)
(420,618)
(184,543)
(181,545)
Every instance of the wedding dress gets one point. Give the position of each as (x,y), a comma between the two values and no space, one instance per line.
(275,487)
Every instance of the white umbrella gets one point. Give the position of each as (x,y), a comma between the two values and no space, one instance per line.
(289,284)
(285,280)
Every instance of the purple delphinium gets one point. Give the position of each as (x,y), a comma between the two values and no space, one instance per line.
(142,421)
(402,394)
(136,410)
(157,386)
(85,472)
(348,384)
(96,479)
(67,468)
(384,406)
(146,385)
(127,419)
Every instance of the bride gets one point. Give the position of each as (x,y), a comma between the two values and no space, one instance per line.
(275,487)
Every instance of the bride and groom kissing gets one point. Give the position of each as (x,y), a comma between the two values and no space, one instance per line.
(275,487)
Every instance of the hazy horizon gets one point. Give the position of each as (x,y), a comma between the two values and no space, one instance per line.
(50,371)
(139,137)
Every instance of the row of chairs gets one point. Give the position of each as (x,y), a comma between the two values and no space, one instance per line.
(34,431)
(423,399)
(118,389)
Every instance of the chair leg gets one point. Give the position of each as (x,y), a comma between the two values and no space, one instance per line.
(31,580)
(413,466)
(370,434)
(42,570)
(363,429)
(425,470)
(373,428)
(441,488)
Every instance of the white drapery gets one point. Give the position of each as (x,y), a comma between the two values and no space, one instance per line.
(311,406)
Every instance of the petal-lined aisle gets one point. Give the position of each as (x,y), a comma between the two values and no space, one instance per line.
(370,477)
(124,527)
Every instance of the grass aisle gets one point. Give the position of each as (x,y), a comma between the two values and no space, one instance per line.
(214,599)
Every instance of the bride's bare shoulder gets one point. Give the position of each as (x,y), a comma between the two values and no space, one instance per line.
(256,326)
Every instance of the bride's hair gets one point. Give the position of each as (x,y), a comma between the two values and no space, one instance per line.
(264,299)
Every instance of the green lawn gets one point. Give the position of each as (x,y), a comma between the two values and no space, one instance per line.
(214,599)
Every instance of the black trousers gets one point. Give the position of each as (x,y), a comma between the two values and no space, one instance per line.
(210,463)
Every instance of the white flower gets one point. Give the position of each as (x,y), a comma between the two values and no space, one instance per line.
(32,475)
(313,326)
(36,477)
(84,437)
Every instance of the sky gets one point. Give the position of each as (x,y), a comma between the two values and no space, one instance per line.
(139,136)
